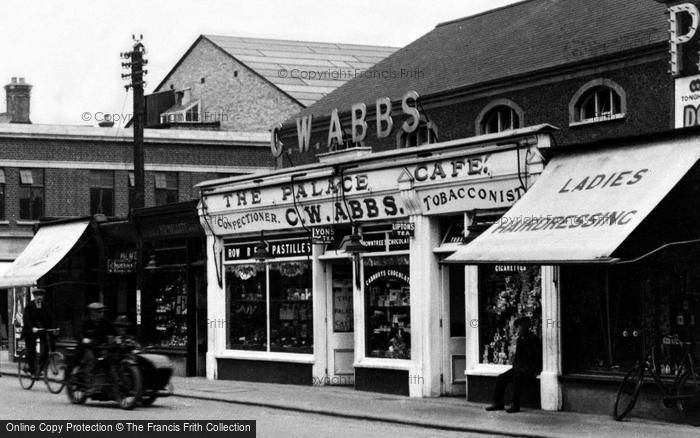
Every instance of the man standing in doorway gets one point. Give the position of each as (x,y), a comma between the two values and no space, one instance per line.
(525,367)
(37,316)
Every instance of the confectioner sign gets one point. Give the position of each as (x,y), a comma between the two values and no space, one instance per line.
(437,186)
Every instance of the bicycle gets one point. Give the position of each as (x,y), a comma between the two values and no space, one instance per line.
(53,370)
(683,392)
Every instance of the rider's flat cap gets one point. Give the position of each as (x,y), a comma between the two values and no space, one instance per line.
(96,306)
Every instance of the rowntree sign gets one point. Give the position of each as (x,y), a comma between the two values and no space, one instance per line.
(384,124)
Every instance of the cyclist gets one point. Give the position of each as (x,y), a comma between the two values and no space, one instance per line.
(37,316)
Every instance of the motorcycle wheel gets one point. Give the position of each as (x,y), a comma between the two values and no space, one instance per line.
(148,400)
(75,386)
(129,387)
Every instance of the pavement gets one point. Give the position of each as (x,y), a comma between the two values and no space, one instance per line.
(443,413)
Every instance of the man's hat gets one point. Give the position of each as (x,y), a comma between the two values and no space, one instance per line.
(39,292)
(122,321)
(96,306)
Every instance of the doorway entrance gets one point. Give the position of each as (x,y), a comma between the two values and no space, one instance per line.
(341,348)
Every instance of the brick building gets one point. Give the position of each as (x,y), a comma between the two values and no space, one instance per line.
(410,164)
(248,84)
(50,171)
(546,64)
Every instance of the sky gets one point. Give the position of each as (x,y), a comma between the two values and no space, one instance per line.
(69,50)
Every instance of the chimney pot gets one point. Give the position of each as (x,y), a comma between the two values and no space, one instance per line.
(18,100)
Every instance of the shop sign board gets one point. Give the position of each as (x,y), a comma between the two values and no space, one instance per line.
(323,234)
(458,183)
(19,298)
(123,262)
(276,249)
(403,229)
(687,102)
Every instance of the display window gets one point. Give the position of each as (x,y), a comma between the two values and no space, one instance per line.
(171,310)
(615,315)
(291,311)
(506,293)
(270,304)
(388,307)
(246,291)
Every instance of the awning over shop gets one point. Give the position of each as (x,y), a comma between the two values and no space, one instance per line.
(584,205)
(48,247)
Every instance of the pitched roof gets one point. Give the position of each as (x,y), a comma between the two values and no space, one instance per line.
(312,69)
(529,36)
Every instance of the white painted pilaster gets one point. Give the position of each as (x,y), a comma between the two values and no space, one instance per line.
(471,308)
(216,304)
(426,341)
(550,388)
(320,313)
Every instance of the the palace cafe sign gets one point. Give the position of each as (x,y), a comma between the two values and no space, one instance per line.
(385,190)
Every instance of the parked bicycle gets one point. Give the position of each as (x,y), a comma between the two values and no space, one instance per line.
(53,371)
(682,391)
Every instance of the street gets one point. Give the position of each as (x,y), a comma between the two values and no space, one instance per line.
(39,404)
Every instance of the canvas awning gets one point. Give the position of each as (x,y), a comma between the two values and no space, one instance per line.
(48,247)
(584,205)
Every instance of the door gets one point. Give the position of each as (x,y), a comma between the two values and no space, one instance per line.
(454,330)
(341,351)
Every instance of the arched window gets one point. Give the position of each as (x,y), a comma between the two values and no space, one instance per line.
(597,101)
(499,115)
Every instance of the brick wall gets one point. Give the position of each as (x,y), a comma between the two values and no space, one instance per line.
(231,93)
(649,109)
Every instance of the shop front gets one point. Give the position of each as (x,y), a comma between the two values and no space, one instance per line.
(57,259)
(601,253)
(170,283)
(330,274)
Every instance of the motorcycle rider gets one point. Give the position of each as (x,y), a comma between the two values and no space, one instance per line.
(97,333)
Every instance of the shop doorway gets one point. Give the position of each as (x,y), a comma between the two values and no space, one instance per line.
(341,348)
(454,330)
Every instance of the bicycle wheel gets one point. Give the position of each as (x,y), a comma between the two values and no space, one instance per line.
(26,381)
(628,392)
(55,373)
(688,396)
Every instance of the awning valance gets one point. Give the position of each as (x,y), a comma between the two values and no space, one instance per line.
(48,247)
(584,205)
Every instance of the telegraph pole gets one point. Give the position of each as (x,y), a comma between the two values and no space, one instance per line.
(136,62)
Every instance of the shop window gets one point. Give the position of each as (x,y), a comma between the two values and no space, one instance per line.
(284,290)
(597,101)
(388,307)
(612,316)
(102,192)
(246,289)
(506,293)
(171,309)
(31,194)
(166,188)
(2,194)
(291,312)
(498,116)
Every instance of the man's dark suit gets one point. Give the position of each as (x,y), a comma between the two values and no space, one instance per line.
(526,364)
(35,317)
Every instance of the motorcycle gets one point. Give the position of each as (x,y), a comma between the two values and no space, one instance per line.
(137,377)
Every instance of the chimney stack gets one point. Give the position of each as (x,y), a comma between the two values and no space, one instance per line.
(18,96)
